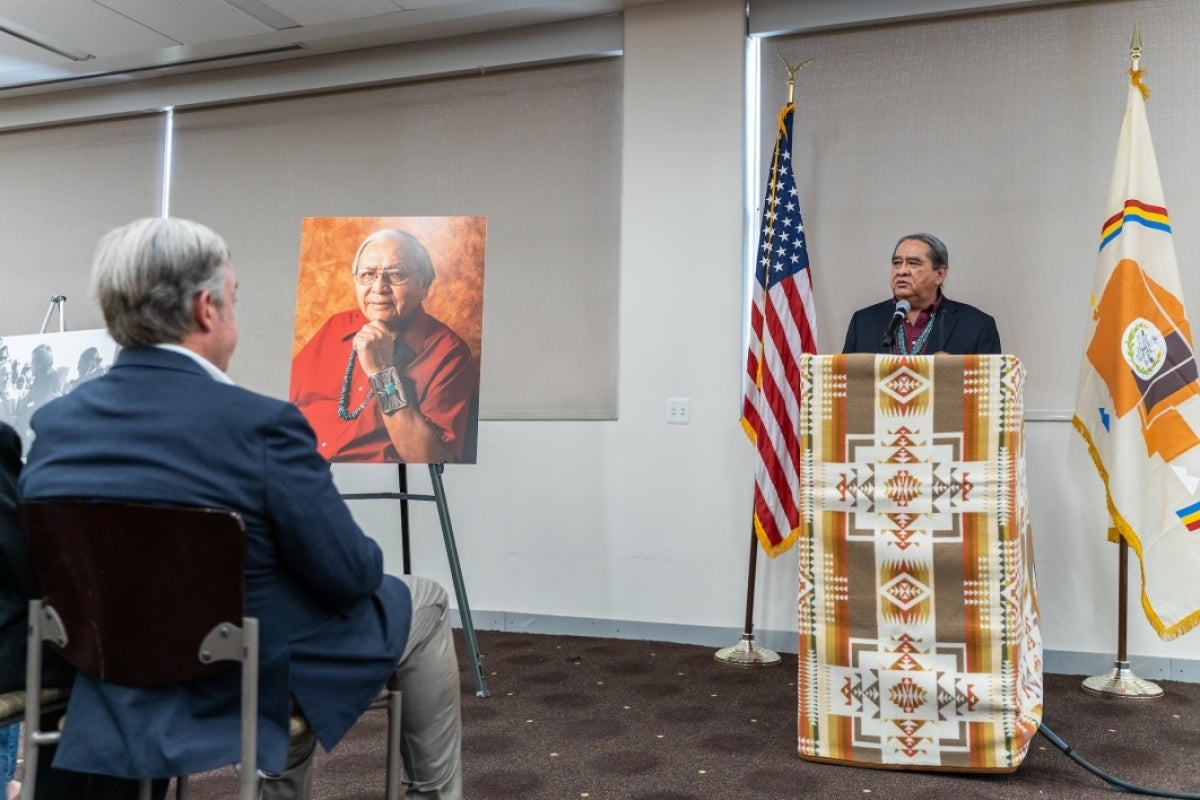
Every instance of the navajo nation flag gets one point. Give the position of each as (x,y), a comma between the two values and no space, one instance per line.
(782,326)
(1138,405)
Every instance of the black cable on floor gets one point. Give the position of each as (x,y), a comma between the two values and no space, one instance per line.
(1116,783)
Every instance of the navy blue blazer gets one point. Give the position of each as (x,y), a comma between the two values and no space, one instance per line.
(158,428)
(958,329)
(14,567)
(17,581)
(16,574)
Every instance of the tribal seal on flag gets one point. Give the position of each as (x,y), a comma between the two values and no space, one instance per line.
(1138,404)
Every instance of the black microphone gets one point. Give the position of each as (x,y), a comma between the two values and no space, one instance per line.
(902,309)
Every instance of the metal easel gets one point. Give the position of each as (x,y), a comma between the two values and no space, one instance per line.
(460,588)
(58,301)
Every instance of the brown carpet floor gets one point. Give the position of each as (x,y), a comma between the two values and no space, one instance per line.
(574,718)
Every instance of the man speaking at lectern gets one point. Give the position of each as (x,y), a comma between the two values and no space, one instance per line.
(919,319)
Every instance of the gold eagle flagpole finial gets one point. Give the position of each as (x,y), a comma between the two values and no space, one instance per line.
(792,74)
(1135,62)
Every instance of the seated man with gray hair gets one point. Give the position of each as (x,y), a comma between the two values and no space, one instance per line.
(166,425)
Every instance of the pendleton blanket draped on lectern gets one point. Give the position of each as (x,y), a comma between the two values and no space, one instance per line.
(920,646)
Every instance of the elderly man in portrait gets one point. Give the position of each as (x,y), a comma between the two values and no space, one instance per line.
(386,381)
(919,319)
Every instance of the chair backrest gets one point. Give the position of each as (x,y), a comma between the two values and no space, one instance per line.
(141,591)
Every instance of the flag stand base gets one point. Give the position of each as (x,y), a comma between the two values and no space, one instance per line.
(1122,683)
(747,654)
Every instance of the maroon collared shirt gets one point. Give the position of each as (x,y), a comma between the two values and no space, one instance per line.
(913,330)
(435,361)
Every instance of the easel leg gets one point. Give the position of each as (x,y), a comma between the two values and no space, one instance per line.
(406,553)
(460,589)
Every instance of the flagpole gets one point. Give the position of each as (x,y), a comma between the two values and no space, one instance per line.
(747,652)
(1121,681)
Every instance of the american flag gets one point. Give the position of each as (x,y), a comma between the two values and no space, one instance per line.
(782,325)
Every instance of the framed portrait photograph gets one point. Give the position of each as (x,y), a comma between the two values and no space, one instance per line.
(388,336)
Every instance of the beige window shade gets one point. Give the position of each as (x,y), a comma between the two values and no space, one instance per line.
(536,151)
(64,187)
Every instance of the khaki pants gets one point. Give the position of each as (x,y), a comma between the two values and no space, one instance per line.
(431,735)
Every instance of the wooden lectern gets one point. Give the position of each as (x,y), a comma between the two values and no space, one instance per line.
(920,646)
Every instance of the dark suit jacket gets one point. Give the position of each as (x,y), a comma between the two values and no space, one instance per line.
(159,428)
(14,567)
(17,582)
(958,329)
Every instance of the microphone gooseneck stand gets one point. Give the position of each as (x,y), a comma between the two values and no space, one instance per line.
(889,335)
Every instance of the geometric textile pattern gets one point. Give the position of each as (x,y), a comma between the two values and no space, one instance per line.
(920,646)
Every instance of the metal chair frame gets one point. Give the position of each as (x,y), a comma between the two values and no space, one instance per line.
(82,638)
(51,620)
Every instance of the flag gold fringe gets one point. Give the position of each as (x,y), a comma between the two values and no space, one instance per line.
(774,549)
(783,112)
(1135,77)
(771,549)
(749,429)
(1125,530)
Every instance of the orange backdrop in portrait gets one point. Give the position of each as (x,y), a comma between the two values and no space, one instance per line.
(455,244)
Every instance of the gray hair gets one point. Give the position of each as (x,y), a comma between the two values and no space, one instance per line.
(146,274)
(937,248)
(412,251)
